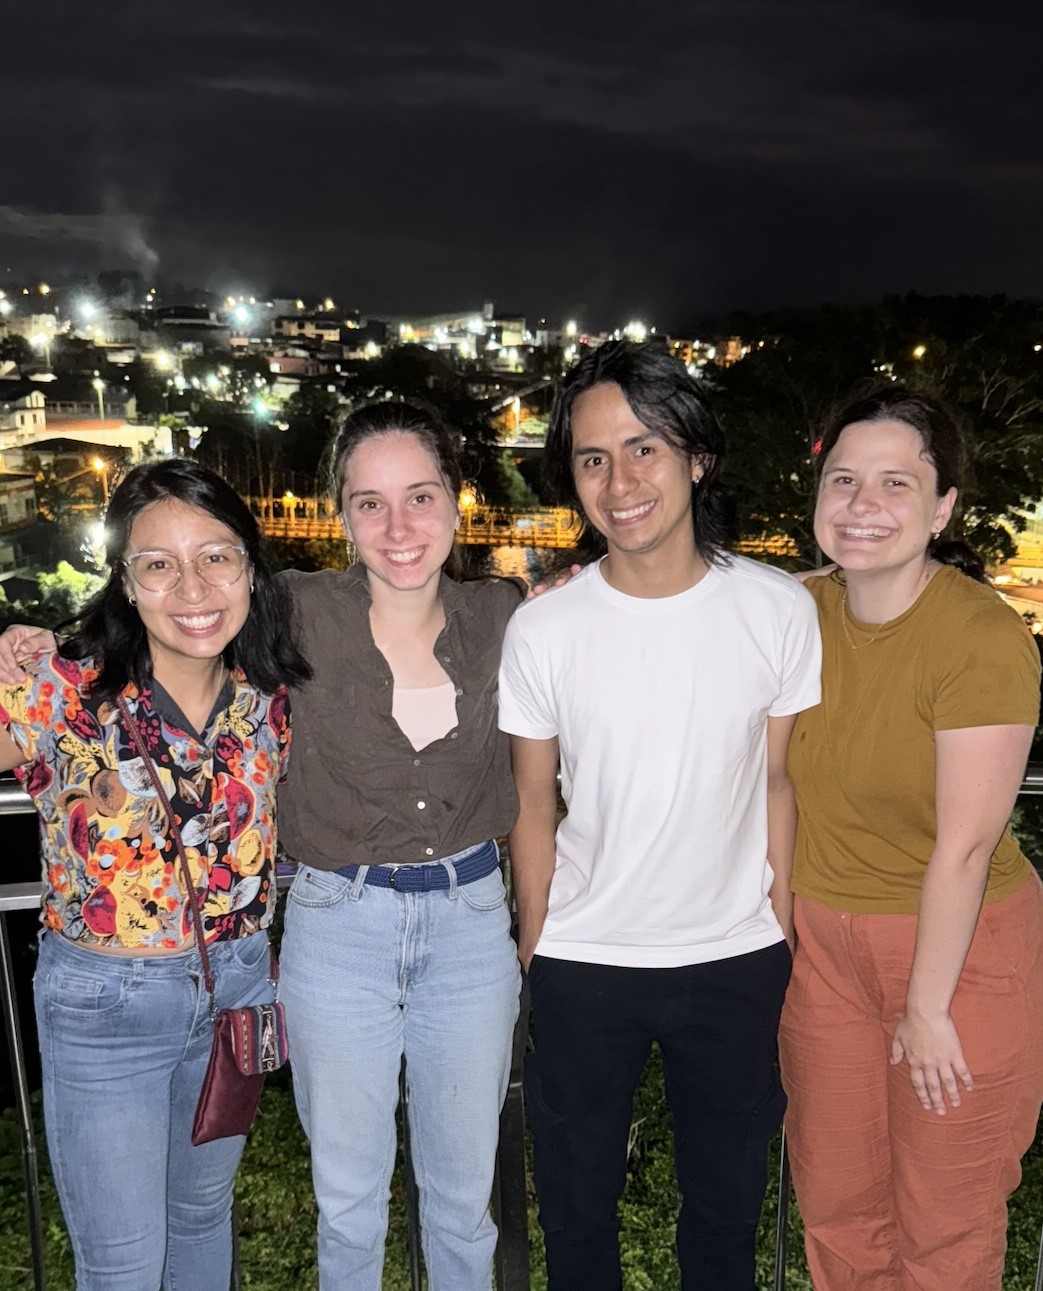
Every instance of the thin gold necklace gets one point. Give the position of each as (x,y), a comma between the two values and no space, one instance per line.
(847,631)
(928,574)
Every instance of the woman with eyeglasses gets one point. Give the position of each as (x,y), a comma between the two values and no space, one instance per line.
(190,632)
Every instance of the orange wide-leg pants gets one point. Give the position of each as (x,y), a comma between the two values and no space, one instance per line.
(893,1197)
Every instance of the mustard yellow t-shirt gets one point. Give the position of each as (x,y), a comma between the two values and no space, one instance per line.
(863,761)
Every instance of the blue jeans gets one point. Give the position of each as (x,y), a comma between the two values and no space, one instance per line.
(124,1043)
(369,974)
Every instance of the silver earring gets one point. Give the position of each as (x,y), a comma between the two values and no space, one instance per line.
(936,536)
(132,599)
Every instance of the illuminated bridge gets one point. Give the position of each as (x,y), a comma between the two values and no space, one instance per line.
(555,527)
(293,517)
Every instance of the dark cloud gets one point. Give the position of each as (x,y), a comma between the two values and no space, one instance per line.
(677,160)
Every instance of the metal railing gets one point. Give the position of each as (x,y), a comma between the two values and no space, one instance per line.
(510,1201)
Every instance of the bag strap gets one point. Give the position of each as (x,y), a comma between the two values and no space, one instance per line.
(175,833)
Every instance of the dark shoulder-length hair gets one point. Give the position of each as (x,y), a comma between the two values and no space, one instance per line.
(397,417)
(109,629)
(939,433)
(666,400)
(391,417)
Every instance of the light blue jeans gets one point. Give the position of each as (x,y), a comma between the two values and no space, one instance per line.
(369,974)
(124,1044)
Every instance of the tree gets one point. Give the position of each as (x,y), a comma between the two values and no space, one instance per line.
(979,353)
(62,594)
(976,353)
(770,403)
(414,373)
(310,416)
(16,350)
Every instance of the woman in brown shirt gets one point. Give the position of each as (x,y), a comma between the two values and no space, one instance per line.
(397,930)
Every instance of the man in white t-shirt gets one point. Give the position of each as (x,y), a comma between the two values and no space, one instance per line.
(666,678)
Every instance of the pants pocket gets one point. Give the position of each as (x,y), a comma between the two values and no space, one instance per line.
(315,889)
(484,894)
(79,992)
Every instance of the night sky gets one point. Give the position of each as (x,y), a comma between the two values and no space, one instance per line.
(600,160)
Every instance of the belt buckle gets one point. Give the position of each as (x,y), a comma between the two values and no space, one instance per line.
(392,871)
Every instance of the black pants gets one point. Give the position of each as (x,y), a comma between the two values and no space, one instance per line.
(594,1026)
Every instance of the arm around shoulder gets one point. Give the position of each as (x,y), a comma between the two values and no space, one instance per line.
(802,575)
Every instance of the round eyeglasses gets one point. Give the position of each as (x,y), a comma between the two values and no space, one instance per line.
(160,571)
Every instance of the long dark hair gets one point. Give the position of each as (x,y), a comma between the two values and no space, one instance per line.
(665,399)
(109,629)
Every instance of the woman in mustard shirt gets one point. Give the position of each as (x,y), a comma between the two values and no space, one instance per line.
(912,1036)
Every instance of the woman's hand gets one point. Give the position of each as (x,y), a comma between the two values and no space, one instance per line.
(937,1068)
(559,580)
(19,644)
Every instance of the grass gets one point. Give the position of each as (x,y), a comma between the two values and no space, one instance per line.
(276,1211)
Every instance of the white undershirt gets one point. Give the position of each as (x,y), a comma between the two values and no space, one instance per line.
(424,713)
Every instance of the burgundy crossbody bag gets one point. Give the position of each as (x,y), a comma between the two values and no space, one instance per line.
(248,1042)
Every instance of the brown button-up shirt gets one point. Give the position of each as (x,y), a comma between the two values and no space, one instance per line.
(357,791)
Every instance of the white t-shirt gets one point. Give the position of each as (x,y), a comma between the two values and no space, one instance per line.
(660,708)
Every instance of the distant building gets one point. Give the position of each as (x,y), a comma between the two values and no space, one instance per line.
(114,328)
(316,327)
(695,354)
(17,500)
(295,362)
(23,409)
(30,326)
(142,441)
(18,508)
(191,325)
(503,341)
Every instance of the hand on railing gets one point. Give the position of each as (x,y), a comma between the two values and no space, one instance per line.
(18,645)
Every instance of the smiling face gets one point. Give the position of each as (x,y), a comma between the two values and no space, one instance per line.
(634,486)
(193,622)
(398,510)
(878,503)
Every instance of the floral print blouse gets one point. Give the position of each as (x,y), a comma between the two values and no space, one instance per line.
(111,871)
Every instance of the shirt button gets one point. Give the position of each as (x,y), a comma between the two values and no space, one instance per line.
(416,762)
(453,734)
(421,804)
(459,690)
(429,851)
(447,658)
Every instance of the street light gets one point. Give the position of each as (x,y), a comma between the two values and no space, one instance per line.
(99,386)
(42,341)
(919,351)
(102,467)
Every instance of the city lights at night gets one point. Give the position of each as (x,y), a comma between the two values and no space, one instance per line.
(531,517)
